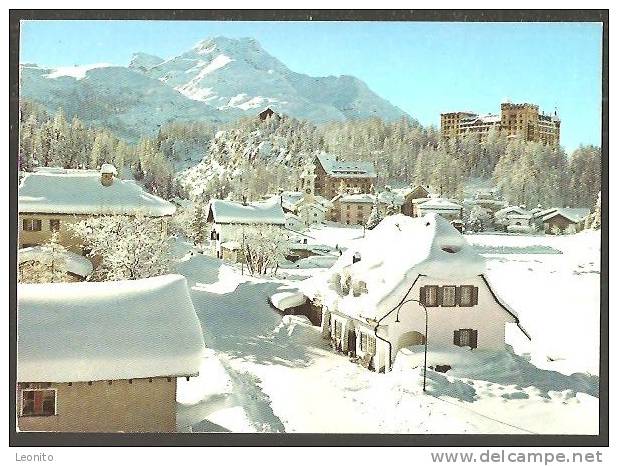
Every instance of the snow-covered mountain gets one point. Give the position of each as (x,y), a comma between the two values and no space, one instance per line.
(218,80)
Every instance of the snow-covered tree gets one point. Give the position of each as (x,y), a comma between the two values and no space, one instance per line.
(595,217)
(198,223)
(129,247)
(263,247)
(479,219)
(375,216)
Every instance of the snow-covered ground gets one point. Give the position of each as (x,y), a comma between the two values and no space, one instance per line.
(268,373)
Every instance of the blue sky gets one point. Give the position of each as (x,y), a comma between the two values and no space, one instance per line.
(424,68)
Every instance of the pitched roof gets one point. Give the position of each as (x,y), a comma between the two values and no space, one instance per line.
(60,191)
(360,198)
(574,214)
(343,169)
(263,212)
(86,331)
(390,261)
(510,209)
(438,204)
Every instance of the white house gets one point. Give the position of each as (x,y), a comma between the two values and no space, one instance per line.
(104,356)
(371,297)
(228,218)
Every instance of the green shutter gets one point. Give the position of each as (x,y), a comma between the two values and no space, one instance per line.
(439,295)
(475,295)
(456,337)
(457,296)
(421,295)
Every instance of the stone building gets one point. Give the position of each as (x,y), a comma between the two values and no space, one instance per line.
(334,176)
(515,120)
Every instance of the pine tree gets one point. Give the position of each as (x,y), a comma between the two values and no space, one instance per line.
(374,217)
(198,224)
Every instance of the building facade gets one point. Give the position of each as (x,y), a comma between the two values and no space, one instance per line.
(334,176)
(524,121)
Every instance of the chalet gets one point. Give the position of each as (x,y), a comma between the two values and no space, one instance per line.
(104,356)
(70,266)
(515,219)
(267,113)
(444,207)
(373,298)
(565,220)
(228,219)
(50,199)
(333,175)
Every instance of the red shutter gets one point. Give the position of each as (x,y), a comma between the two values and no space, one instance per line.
(38,402)
(456,337)
(473,338)
(475,295)
(421,295)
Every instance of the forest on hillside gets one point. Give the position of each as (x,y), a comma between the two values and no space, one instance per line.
(251,157)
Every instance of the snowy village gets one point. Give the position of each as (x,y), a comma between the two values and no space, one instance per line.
(274,261)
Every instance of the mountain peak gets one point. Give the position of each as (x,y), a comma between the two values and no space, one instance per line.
(225,44)
(144,60)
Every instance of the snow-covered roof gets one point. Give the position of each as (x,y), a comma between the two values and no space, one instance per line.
(360,198)
(344,169)
(64,191)
(73,263)
(287,299)
(392,255)
(439,204)
(87,331)
(263,212)
(391,197)
(510,210)
(574,214)
(109,169)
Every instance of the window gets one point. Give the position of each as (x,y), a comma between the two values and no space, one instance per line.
(429,295)
(367,343)
(468,295)
(465,337)
(338,329)
(449,295)
(54,225)
(31,224)
(38,402)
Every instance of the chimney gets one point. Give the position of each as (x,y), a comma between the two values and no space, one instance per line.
(108,171)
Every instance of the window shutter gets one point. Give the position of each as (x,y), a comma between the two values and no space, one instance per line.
(475,295)
(421,295)
(473,338)
(458,296)
(456,337)
(439,293)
